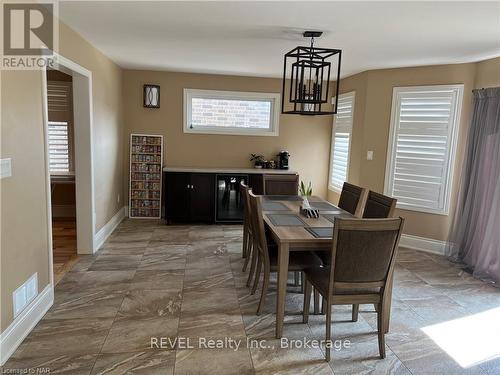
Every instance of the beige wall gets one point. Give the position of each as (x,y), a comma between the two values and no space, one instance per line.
(24,235)
(487,73)
(108,130)
(372,123)
(306,138)
(24,242)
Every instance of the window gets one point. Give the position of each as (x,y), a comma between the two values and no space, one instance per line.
(227,112)
(422,144)
(59,159)
(341,141)
(60,110)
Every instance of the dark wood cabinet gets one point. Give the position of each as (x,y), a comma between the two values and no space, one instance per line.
(189,197)
(256,183)
(202,197)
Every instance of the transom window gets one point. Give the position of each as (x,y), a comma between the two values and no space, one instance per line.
(230,112)
(422,144)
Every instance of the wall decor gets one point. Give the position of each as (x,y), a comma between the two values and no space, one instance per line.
(151,96)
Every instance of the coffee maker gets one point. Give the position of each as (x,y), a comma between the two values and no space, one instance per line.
(283,157)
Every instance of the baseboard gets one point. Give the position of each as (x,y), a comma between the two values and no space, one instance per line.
(22,325)
(423,244)
(61,210)
(108,228)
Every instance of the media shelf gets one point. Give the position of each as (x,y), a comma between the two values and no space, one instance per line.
(146,158)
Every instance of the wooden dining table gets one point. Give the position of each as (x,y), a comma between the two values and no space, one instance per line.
(292,231)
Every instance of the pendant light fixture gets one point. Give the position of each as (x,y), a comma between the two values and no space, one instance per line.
(309,87)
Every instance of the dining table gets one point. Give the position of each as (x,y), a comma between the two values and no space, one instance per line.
(292,231)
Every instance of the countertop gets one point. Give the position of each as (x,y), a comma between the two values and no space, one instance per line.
(228,170)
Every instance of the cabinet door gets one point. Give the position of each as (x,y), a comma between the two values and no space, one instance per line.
(178,192)
(255,181)
(203,197)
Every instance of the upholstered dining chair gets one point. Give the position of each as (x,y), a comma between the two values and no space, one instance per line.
(353,198)
(363,255)
(268,256)
(379,206)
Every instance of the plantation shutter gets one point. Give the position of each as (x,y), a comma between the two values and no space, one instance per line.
(59,98)
(341,141)
(423,123)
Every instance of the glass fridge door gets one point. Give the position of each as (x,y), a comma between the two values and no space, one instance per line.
(229,200)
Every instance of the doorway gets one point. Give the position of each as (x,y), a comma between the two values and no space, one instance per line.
(68,132)
(61,145)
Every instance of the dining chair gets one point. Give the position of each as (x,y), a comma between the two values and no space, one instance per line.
(379,206)
(247,237)
(352,199)
(363,255)
(268,255)
(279,184)
(249,249)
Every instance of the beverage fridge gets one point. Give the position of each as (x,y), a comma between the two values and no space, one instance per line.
(229,204)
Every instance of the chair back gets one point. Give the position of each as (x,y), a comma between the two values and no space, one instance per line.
(244,190)
(379,206)
(258,229)
(364,252)
(352,199)
(280,184)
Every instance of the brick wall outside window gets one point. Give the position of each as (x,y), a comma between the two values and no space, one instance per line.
(230,113)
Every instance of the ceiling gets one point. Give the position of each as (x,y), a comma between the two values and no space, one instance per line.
(249,38)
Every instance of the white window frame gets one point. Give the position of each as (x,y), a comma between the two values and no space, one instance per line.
(332,144)
(451,145)
(274,98)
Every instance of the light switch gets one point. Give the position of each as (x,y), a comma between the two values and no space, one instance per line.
(369,155)
(5,167)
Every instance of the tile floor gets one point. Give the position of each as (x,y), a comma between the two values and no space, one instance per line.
(153,281)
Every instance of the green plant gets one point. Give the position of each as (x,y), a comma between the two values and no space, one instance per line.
(257,159)
(305,191)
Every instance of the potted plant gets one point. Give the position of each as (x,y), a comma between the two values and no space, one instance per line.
(305,191)
(258,160)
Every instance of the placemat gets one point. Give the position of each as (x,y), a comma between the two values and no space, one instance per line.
(337,214)
(323,206)
(321,232)
(282,220)
(274,206)
(283,197)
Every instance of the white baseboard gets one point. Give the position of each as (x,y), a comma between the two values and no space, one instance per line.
(423,244)
(22,325)
(107,229)
(61,210)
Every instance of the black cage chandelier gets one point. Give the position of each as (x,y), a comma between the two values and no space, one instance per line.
(310,84)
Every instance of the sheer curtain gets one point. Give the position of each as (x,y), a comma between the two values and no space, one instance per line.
(475,233)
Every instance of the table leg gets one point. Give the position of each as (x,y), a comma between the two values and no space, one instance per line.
(283,253)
